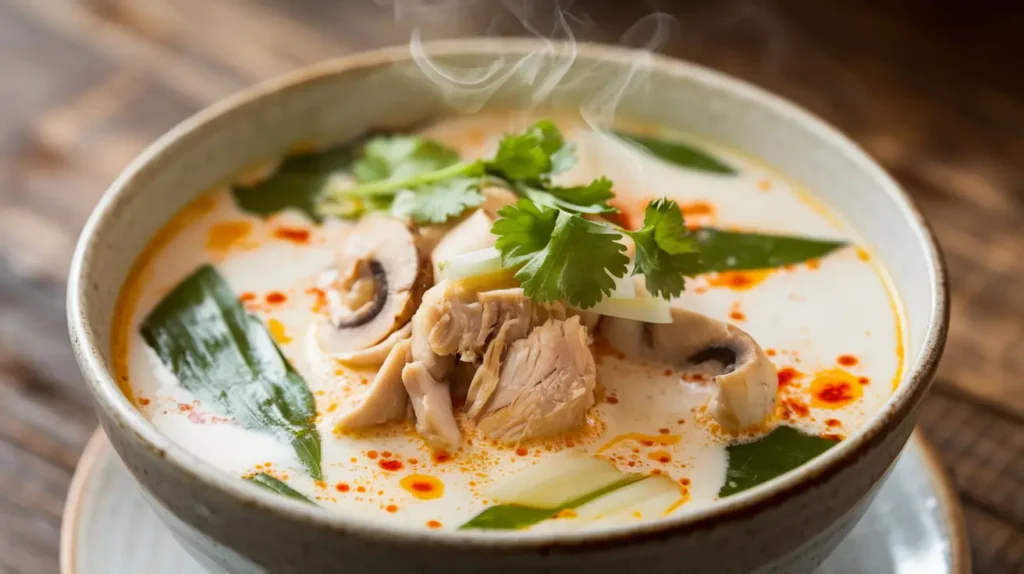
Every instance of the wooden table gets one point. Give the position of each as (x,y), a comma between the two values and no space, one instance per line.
(934,90)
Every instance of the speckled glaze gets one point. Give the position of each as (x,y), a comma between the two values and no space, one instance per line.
(786,525)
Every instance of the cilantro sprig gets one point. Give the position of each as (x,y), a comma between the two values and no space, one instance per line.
(559,254)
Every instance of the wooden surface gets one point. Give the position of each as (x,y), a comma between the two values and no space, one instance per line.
(934,90)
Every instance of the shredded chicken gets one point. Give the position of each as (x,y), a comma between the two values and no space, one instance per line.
(545,386)
(386,399)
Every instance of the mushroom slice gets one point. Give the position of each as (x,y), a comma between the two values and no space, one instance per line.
(380,278)
(747,381)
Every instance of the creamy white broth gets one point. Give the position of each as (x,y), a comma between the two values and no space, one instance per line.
(833,319)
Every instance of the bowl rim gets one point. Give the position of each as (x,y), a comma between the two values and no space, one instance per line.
(110,398)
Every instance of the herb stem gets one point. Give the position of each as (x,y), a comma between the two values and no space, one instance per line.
(390,187)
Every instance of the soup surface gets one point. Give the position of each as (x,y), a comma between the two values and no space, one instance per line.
(830,325)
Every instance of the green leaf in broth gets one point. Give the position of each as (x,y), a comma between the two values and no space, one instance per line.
(516,516)
(679,154)
(780,451)
(270,483)
(226,357)
(738,251)
(297,183)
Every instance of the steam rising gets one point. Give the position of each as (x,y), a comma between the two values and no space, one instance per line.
(545,69)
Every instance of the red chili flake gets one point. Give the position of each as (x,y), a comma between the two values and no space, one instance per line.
(433,524)
(143,401)
(647,443)
(737,316)
(847,360)
(797,407)
(832,422)
(441,456)
(863,380)
(770,352)
(413,461)
(422,486)
(184,407)
(275,297)
(372,454)
(296,234)
(656,471)
(697,377)
(684,481)
(522,451)
(838,392)
(668,372)
(664,431)
(386,454)
(390,464)
(391,508)
(787,374)
(342,487)
(247,296)
(613,400)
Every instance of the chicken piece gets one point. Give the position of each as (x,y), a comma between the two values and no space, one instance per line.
(386,400)
(375,355)
(545,386)
(432,404)
(485,379)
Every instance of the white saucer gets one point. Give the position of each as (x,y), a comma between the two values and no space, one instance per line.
(913,526)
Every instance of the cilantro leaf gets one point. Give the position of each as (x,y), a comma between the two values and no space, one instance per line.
(547,242)
(590,198)
(396,158)
(437,202)
(665,250)
(533,155)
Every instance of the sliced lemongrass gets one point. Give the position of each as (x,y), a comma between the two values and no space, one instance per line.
(556,481)
(646,309)
(472,264)
(630,497)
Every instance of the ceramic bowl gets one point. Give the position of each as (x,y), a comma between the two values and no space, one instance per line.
(788,524)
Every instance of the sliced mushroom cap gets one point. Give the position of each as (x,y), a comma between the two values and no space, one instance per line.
(381,276)
(747,381)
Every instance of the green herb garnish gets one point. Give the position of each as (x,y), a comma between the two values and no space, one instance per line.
(739,251)
(784,449)
(226,357)
(678,154)
(559,254)
(270,483)
(297,183)
(517,516)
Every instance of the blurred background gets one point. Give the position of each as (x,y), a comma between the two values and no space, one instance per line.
(933,89)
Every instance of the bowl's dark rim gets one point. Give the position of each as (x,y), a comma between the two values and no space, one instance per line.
(109,398)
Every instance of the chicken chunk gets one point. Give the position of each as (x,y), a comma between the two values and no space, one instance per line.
(386,400)
(545,386)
